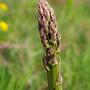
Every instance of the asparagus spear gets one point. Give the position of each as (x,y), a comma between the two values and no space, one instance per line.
(50,39)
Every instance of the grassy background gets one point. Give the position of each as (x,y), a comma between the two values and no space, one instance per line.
(22,68)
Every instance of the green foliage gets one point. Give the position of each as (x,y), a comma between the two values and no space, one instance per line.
(22,68)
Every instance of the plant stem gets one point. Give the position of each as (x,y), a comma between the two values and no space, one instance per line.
(53,77)
(50,39)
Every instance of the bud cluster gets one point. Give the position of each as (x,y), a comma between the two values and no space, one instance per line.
(50,37)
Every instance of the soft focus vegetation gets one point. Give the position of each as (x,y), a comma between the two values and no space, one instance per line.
(22,68)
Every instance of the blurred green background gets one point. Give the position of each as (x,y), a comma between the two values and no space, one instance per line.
(22,68)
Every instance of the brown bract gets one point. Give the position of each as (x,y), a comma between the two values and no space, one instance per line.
(50,37)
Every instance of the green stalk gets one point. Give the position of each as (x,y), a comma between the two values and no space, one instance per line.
(50,39)
(53,76)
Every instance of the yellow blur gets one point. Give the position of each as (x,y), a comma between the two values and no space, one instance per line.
(3,26)
(3,6)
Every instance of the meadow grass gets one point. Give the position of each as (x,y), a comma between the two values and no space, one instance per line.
(22,68)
